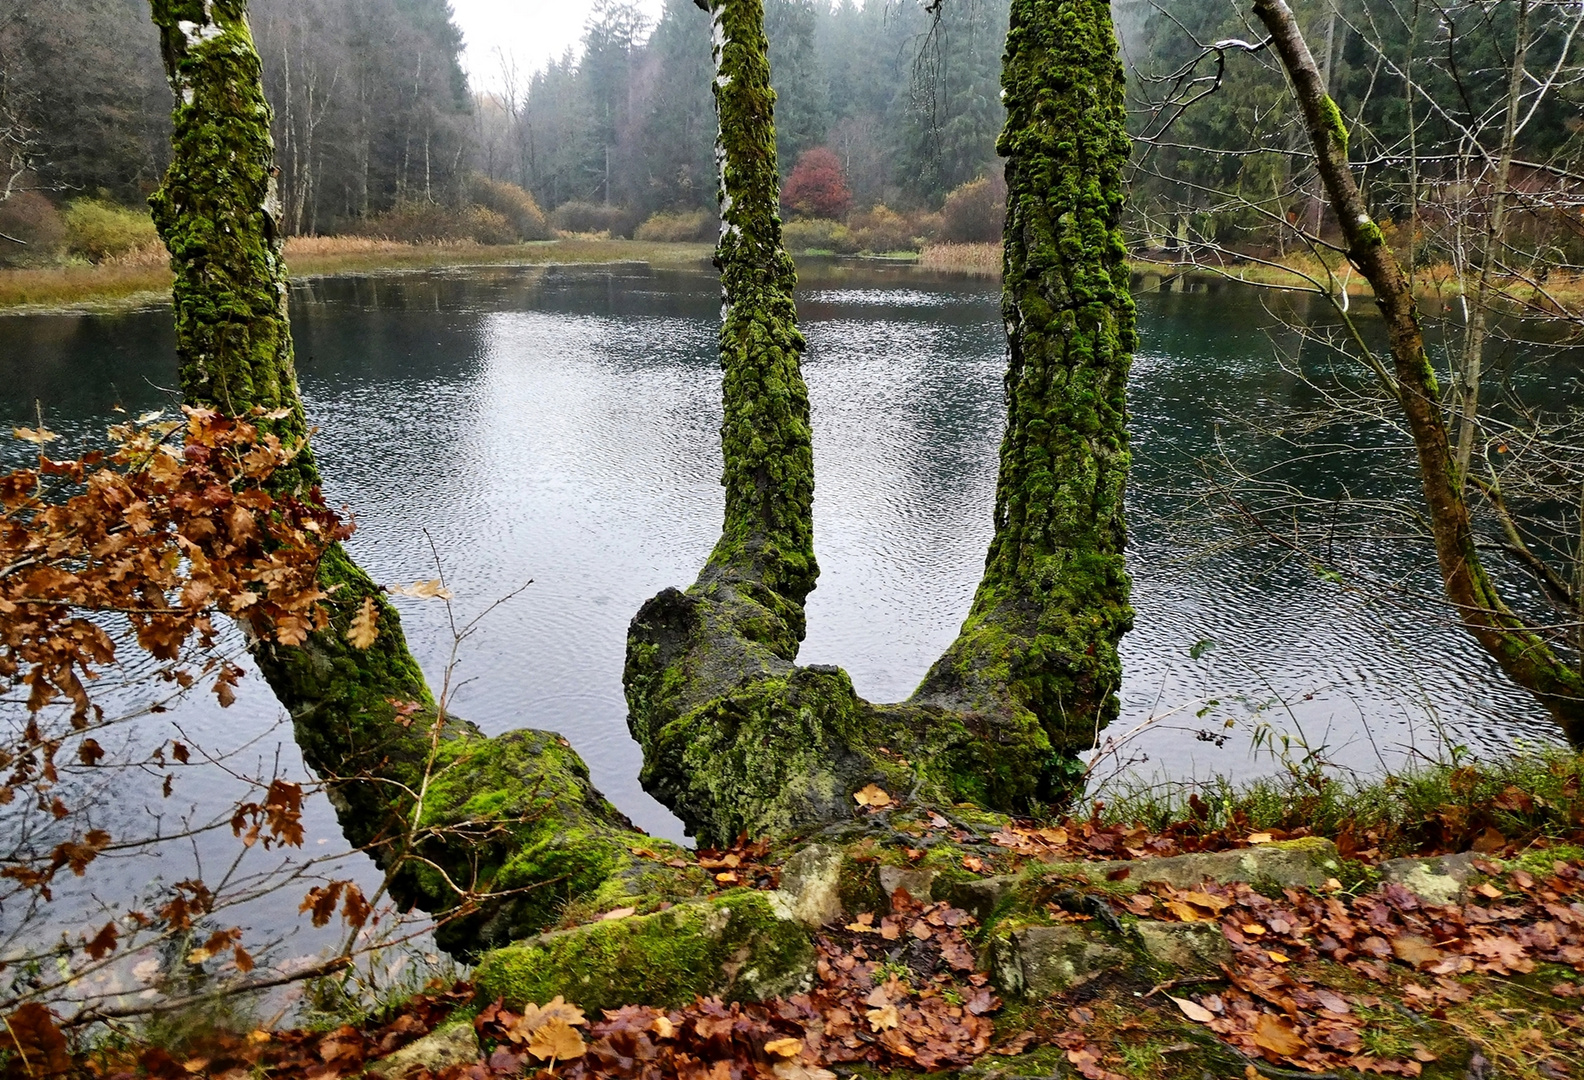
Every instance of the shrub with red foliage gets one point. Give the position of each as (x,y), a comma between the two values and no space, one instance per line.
(816,187)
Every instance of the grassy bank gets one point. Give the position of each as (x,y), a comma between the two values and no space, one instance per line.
(1436,285)
(144,277)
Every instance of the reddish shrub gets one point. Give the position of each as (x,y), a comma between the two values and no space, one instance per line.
(816,187)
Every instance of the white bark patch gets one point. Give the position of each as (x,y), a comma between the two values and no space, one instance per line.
(197,34)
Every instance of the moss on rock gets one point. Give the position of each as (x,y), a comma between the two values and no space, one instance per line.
(737,945)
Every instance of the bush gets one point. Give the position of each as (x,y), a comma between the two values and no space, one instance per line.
(817,234)
(432,223)
(33,219)
(585,217)
(514,204)
(883,229)
(678,227)
(975,213)
(99,230)
(816,188)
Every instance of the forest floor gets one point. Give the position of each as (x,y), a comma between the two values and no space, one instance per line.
(144,278)
(1426,925)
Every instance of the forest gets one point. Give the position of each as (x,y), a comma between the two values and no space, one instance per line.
(1114,340)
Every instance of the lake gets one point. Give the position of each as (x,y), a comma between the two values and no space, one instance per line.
(561,426)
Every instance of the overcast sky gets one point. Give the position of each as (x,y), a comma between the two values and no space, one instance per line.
(535,31)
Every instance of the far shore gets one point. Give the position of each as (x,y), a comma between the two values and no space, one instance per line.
(144,278)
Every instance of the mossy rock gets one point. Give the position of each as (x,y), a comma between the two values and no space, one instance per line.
(741,945)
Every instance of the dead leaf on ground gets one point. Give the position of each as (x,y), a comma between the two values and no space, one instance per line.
(1277,1037)
(1193,1010)
(556,1039)
(883,1019)
(1415,950)
(873,796)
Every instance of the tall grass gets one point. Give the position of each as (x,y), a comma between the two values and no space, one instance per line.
(979,260)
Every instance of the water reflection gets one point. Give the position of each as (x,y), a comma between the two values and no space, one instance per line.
(562,426)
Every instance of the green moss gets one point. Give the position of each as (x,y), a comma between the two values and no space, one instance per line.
(1331,117)
(735,945)
(1041,637)
(768,535)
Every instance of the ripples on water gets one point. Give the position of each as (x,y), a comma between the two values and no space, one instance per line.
(562,426)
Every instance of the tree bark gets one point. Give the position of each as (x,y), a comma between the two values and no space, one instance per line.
(1043,631)
(737,737)
(1526,658)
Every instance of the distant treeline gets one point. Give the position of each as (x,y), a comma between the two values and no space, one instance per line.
(1423,94)
(884,109)
(372,107)
(910,107)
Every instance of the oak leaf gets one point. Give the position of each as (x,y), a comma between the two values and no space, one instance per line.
(784,1047)
(556,1040)
(1414,950)
(883,1019)
(873,796)
(364,628)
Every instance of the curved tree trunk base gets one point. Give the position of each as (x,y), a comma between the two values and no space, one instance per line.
(738,740)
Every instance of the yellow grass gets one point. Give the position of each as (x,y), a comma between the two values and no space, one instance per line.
(1436,286)
(978,260)
(144,277)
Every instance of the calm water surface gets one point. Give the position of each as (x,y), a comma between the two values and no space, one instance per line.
(561,426)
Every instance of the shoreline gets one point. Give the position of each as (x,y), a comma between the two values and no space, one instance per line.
(145,280)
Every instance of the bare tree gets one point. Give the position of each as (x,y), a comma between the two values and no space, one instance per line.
(1438,128)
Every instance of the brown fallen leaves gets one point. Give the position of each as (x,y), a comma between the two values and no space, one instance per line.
(315,1055)
(1414,951)
(915,1005)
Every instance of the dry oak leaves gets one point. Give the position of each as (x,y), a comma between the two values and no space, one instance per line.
(1414,951)
(173,526)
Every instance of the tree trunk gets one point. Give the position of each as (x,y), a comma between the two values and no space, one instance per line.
(1053,604)
(736,737)
(1521,653)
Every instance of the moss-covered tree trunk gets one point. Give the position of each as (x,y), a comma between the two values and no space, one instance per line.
(457,812)
(1043,631)
(217,213)
(736,736)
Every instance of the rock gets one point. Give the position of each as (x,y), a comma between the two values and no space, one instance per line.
(1304,863)
(453,1045)
(742,945)
(1191,946)
(811,883)
(1037,961)
(981,896)
(918,883)
(1439,880)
